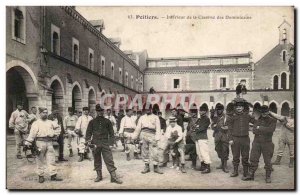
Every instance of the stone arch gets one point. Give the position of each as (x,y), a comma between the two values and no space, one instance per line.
(284,80)
(285,108)
(76,94)
(57,95)
(256,105)
(273,106)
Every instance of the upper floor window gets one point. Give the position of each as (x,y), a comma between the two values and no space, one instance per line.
(176,83)
(223,82)
(102,66)
(284,56)
(126,78)
(55,39)
(91,59)
(120,75)
(131,82)
(19,24)
(75,50)
(112,71)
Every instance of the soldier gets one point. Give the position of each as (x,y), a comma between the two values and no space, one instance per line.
(221,136)
(238,130)
(190,147)
(201,139)
(120,116)
(69,126)
(113,121)
(58,144)
(19,122)
(99,130)
(127,128)
(149,128)
(80,130)
(172,129)
(263,130)
(163,125)
(286,137)
(43,132)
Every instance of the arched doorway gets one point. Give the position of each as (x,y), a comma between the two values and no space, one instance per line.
(155,109)
(275,82)
(57,97)
(256,107)
(273,107)
(168,111)
(204,105)
(285,109)
(283,81)
(19,83)
(92,101)
(76,98)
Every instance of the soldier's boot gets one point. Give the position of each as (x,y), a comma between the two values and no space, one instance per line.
(146,169)
(202,167)
(86,156)
(41,179)
(19,156)
(128,156)
(225,168)
(80,157)
(206,169)
(249,177)
(194,164)
(268,176)
(157,170)
(165,164)
(235,172)
(291,165)
(61,158)
(245,172)
(99,176)
(221,165)
(71,153)
(182,168)
(277,161)
(114,178)
(55,178)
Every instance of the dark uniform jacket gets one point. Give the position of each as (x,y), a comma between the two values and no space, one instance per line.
(220,129)
(198,130)
(99,129)
(238,124)
(163,124)
(267,126)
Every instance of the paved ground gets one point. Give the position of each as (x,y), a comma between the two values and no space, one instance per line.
(21,175)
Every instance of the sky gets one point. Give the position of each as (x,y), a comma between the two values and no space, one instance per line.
(204,35)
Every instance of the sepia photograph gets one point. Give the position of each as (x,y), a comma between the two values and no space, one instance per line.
(150,97)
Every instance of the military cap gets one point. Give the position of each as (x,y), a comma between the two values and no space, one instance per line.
(128,109)
(219,107)
(172,119)
(42,109)
(159,112)
(85,108)
(203,108)
(19,103)
(99,108)
(139,112)
(70,109)
(264,109)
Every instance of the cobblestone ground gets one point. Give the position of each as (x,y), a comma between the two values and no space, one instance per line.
(21,174)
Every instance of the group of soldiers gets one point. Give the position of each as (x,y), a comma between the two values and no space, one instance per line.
(147,134)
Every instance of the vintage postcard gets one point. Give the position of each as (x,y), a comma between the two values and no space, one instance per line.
(150,98)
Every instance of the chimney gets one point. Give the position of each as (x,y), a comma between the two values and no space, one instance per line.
(116,41)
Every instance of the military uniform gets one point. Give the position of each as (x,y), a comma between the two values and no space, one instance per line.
(98,132)
(221,139)
(81,126)
(127,128)
(238,129)
(149,128)
(44,131)
(190,147)
(19,122)
(69,126)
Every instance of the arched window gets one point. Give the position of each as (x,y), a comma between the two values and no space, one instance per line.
(75,53)
(283,81)
(275,82)
(285,109)
(284,56)
(273,107)
(91,61)
(55,42)
(18,23)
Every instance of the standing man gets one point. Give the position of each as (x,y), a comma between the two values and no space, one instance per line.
(173,128)
(80,130)
(149,128)
(263,130)
(113,121)
(98,132)
(163,124)
(190,147)
(221,136)
(69,126)
(238,129)
(43,132)
(19,122)
(286,137)
(127,128)
(201,139)
(119,119)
